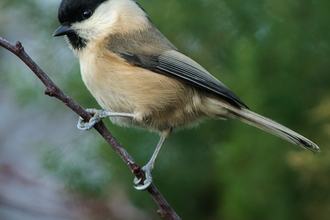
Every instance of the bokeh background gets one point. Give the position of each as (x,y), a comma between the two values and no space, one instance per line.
(274,54)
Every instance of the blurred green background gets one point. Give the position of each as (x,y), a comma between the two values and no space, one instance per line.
(275,55)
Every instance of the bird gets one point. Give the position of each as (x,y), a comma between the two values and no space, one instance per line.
(140,79)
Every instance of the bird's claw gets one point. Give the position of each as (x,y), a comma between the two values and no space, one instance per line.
(97,116)
(139,185)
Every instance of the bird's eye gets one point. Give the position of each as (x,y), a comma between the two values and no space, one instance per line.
(87,13)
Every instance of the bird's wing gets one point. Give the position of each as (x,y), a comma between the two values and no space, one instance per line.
(151,50)
(174,63)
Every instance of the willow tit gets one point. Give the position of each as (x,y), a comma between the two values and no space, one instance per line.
(142,80)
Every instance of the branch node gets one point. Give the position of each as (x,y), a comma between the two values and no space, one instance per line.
(19,47)
(50,91)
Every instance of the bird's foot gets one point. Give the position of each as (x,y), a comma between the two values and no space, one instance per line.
(143,185)
(98,115)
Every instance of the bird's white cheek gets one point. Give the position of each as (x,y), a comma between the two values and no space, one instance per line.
(96,27)
(85,30)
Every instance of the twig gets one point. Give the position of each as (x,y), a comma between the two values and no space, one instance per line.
(165,210)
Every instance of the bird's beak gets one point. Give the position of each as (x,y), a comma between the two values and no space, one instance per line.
(63,30)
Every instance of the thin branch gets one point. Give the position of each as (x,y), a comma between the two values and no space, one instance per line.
(165,210)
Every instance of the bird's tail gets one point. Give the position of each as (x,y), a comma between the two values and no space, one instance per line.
(274,128)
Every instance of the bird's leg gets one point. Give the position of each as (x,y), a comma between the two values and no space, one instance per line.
(98,115)
(150,165)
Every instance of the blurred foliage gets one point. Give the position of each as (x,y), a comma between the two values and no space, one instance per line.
(273,54)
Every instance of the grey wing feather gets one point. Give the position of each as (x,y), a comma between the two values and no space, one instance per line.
(183,67)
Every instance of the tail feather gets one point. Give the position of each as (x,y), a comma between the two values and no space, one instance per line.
(274,128)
